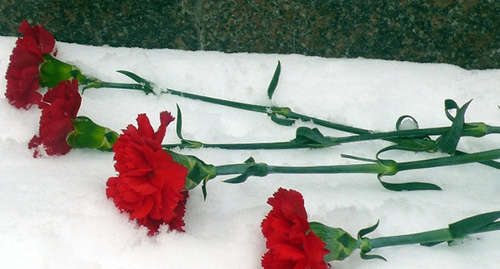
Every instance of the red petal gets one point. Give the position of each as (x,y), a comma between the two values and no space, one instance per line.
(146,207)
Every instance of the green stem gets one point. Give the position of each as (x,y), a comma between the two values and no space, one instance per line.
(286,112)
(231,169)
(387,167)
(451,160)
(271,110)
(233,104)
(429,237)
(468,131)
(374,168)
(240,146)
(92,83)
(332,125)
(434,236)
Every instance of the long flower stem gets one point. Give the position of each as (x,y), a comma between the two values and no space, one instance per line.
(240,146)
(128,86)
(451,160)
(472,130)
(382,167)
(279,111)
(440,235)
(282,111)
(469,130)
(389,168)
(217,101)
(429,237)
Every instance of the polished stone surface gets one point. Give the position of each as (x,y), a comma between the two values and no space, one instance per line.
(463,32)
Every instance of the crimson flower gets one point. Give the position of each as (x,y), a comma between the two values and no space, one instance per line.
(23,71)
(290,241)
(150,185)
(59,107)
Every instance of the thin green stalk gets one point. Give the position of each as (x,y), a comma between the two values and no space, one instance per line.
(93,83)
(451,160)
(381,167)
(440,235)
(470,130)
(374,168)
(239,146)
(362,134)
(239,105)
(233,104)
(429,237)
(287,113)
(273,111)
(341,244)
(328,124)
(230,169)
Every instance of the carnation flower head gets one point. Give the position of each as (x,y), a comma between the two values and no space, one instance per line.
(59,106)
(150,185)
(23,71)
(290,241)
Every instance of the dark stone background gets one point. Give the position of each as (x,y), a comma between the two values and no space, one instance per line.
(463,32)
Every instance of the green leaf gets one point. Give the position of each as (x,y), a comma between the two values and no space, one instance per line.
(347,156)
(312,138)
(365,245)
(368,230)
(178,126)
(490,163)
(450,104)
(274,81)
(253,169)
(133,76)
(472,224)
(146,85)
(448,142)
(409,145)
(404,118)
(423,143)
(417,144)
(282,121)
(365,256)
(409,186)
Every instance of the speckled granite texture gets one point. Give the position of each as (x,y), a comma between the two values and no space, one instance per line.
(463,32)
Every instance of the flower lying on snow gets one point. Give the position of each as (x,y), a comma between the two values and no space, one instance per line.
(59,107)
(32,64)
(60,128)
(291,242)
(150,185)
(23,71)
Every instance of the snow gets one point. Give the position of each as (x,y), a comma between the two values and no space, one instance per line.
(55,213)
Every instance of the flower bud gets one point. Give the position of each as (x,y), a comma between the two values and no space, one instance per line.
(340,243)
(53,71)
(88,134)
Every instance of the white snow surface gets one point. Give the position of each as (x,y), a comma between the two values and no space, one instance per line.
(55,213)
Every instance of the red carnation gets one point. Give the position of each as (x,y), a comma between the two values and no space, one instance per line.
(23,71)
(291,242)
(150,185)
(59,106)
